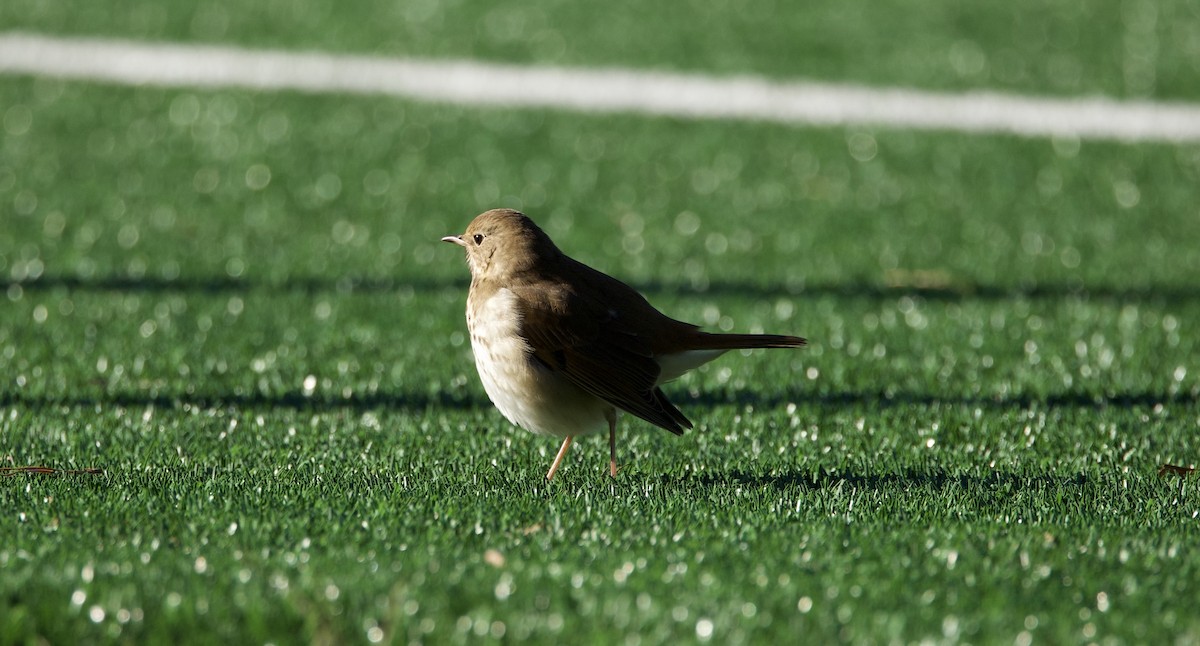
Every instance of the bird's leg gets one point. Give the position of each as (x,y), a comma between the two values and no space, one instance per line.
(611,416)
(562,452)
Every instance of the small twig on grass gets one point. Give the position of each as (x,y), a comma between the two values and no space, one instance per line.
(1177,470)
(49,471)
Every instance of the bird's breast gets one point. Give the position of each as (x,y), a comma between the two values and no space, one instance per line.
(529,394)
(501,354)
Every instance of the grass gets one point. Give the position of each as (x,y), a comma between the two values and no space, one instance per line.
(1126,49)
(236,305)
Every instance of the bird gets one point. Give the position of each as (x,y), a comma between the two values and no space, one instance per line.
(561,347)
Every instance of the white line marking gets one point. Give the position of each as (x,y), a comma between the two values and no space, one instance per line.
(596,90)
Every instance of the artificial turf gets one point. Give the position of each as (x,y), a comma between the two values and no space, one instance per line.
(236,306)
(1123,48)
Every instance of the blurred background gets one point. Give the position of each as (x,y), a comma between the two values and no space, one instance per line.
(169,184)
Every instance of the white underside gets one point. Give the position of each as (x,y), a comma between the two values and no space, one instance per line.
(534,397)
(527,394)
(675,365)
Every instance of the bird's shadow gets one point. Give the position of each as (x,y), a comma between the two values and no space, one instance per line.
(889,398)
(823,479)
(348,284)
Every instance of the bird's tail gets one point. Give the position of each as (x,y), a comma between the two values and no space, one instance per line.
(703,347)
(749,341)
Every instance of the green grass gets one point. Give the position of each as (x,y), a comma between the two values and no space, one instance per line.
(236,305)
(1122,48)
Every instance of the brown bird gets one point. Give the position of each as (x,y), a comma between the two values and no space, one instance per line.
(560,346)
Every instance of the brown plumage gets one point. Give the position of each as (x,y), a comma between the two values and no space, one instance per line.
(560,346)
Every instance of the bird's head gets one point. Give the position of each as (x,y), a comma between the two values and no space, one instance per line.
(502,243)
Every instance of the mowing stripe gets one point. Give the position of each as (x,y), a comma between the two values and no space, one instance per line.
(596,90)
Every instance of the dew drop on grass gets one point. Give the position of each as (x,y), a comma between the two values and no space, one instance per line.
(687,223)
(716,244)
(322,310)
(1126,193)
(235,267)
(206,180)
(273,127)
(862,146)
(328,186)
(258,176)
(376,182)
(784,309)
(950,626)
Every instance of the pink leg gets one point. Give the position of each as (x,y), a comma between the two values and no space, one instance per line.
(562,452)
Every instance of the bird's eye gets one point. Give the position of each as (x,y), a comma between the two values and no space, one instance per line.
(478,238)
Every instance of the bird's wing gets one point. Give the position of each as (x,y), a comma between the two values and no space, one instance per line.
(589,343)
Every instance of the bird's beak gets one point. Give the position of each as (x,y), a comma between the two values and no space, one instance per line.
(456,240)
